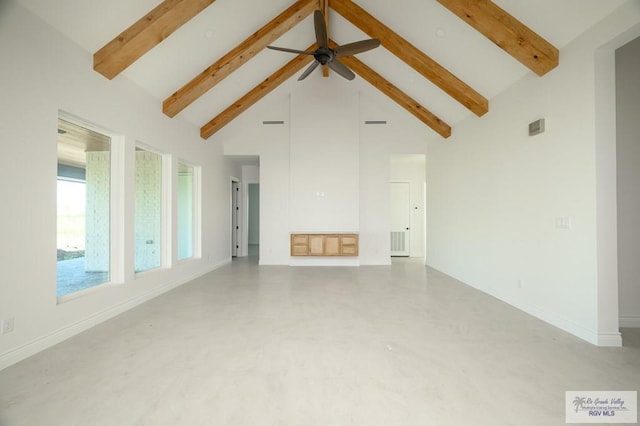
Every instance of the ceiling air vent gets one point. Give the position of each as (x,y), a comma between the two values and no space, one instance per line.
(61,132)
(375,122)
(273,122)
(536,127)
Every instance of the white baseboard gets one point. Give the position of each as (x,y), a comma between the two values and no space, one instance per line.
(611,340)
(605,339)
(39,344)
(324,261)
(630,322)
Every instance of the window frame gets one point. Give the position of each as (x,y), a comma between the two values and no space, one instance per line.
(116,152)
(165,206)
(196,237)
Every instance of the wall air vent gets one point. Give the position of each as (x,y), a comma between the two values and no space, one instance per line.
(375,122)
(536,127)
(273,122)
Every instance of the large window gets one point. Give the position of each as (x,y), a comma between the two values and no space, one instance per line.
(185,211)
(148,210)
(83,200)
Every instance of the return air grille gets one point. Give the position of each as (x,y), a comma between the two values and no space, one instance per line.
(398,241)
(536,127)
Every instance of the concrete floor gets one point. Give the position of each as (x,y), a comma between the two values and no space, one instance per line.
(249,345)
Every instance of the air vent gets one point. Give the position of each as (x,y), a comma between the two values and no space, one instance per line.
(273,122)
(375,122)
(61,132)
(398,241)
(536,127)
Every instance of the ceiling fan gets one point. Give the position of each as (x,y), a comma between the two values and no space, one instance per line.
(324,55)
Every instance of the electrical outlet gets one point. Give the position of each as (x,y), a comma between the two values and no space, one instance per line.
(7,325)
(563,222)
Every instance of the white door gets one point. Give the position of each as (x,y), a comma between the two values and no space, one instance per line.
(235,223)
(400,218)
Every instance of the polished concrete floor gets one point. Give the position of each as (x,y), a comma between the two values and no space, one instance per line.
(249,345)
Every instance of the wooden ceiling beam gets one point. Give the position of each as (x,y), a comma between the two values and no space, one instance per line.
(257,93)
(397,95)
(324,8)
(507,32)
(238,56)
(145,34)
(412,56)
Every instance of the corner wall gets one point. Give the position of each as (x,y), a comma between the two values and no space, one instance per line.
(628,160)
(45,73)
(498,200)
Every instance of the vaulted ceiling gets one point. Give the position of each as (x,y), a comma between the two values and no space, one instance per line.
(205,60)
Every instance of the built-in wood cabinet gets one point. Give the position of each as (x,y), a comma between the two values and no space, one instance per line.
(324,244)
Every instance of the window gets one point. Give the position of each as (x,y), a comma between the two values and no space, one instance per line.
(185,211)
(148,210)
(83,207)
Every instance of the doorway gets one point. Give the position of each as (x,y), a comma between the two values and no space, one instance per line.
(400,219)
(407,197)
(253,225)
(235,216)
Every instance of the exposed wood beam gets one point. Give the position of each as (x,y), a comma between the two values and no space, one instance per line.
(255,94)
(145,34)
(397,95)
(507,32)
(412,56)
(237,56)
(324,7)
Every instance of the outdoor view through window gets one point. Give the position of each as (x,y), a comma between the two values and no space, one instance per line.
(83,198)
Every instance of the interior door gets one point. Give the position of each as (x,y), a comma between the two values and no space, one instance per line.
(400,219)
(235,223)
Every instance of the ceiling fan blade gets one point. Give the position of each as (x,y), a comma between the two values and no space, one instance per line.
(285,49)
(356,47)
(309,70)
(321,29)
(341,69)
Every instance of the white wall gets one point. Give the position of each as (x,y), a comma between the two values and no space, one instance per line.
(42,73)
(325,147)
(628,161)
(324,157)
(247,136)
(495,194)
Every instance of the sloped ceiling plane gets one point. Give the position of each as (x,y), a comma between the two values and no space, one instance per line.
(487,18)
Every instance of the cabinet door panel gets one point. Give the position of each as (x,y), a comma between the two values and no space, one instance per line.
(350,250)
(332,245)
(349,240)
(300,239)
(349,245)
(316,245)
(300,250)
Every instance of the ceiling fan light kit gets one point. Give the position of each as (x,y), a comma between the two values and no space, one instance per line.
(325,55)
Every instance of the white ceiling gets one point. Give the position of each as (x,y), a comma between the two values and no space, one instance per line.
(226,23)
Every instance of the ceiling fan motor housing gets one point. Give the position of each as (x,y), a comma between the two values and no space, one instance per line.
(324,55)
